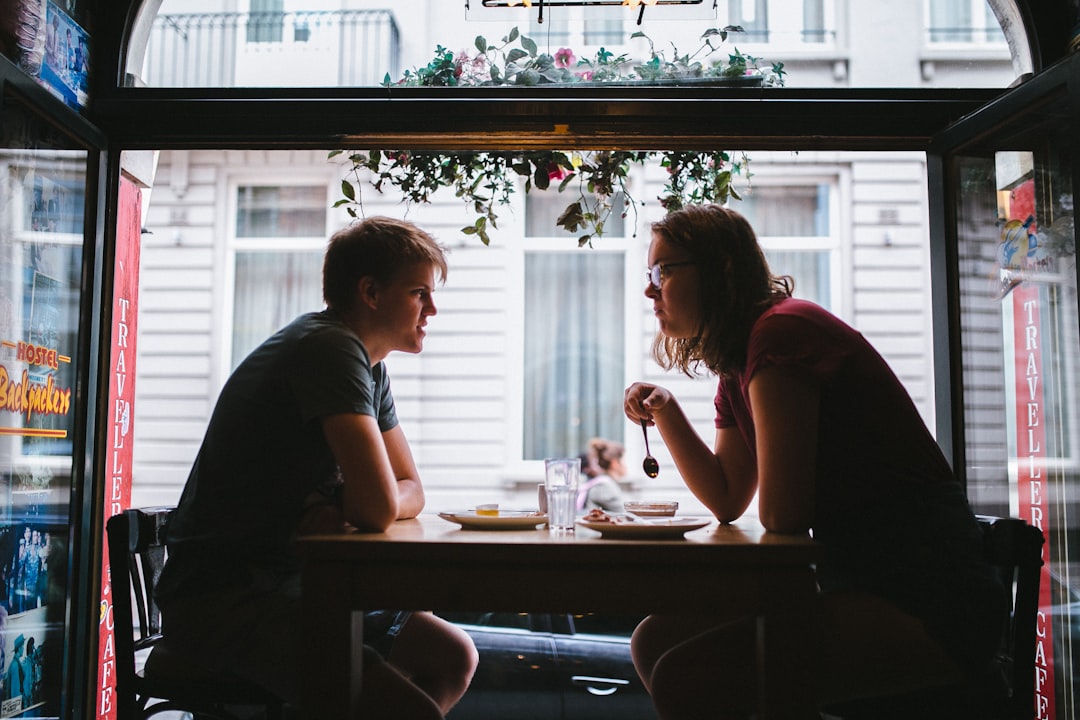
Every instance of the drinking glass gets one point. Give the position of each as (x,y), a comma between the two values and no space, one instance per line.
(561,485)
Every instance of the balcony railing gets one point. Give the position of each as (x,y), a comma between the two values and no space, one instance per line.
(285,49)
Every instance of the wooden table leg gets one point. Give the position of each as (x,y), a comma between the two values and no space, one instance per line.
(331,687)
(787,647)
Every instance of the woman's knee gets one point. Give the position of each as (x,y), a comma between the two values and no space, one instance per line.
(428,643)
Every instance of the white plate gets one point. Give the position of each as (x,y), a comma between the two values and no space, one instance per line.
(505,520)
(653,528)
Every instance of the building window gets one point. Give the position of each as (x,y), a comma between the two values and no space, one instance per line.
(782,23)
(752,16)
(962,21)
(542,209)
(793,223)
(814,28)
(574,332)
(266,22)
(576,27)
(575,347)
(280,240)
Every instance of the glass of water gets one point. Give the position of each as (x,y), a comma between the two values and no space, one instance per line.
(561,485)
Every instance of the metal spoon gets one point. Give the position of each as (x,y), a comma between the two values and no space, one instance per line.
(650,466)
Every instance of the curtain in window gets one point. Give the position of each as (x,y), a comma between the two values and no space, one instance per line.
(786,211)
(574,351)
(752,16)
(266,22)
(272,288)
(811,271)
(794,211)
(813,21)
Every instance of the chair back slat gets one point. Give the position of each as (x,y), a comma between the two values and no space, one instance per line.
(1016,548)
(136,549)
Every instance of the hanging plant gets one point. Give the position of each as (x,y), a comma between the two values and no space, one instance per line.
(596,180)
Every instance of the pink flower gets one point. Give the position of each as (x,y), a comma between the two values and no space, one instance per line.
(564,57)
(556,172)
(585,75)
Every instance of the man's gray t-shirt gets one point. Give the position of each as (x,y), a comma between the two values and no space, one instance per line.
(264,456)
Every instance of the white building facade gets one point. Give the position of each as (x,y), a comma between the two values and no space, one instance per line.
(235,237)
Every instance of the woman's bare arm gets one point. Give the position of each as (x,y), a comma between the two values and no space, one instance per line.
(786,410)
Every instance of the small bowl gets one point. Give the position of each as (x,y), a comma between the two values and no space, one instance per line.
(651,509)
(491,509)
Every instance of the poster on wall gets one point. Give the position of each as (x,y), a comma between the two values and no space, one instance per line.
(65,65)
(45,39)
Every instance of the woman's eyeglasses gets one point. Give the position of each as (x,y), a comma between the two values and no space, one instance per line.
(655,273)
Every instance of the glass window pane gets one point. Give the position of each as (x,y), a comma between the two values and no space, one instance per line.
(574,351)
(543,208)
(271,290)
(42,273)
(814,28)
(192,43)
(752,16)
(950,21)
(285,211)
(266,21)
(811,271)
(603,27)
(787,210)
(1020,352)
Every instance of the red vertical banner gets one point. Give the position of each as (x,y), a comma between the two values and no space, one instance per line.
(1021,239)
(121,401)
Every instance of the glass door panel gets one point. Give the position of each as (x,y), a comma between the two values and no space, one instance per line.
(1020,355)
(42,200)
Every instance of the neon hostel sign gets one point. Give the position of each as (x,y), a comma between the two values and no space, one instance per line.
(29,395)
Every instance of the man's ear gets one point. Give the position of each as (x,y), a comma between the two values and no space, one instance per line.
(367,291)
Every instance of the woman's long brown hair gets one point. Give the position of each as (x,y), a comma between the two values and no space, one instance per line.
(736,286)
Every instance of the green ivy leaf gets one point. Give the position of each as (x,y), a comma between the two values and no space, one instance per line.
(541,179)
(348,191)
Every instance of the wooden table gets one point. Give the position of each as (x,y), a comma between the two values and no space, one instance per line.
(431,564)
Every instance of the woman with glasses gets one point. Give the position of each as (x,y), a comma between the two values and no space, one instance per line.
(811,421)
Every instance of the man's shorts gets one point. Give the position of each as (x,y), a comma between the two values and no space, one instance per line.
(381,627)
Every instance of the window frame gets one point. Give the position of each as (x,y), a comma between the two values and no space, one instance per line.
(224,282)
(837,242)
(633,250)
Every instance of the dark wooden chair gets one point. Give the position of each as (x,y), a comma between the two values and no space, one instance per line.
(136,547)
(1015,549)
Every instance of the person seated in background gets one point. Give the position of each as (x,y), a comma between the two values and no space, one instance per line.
(811,420)
(305,438)
(602,465)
